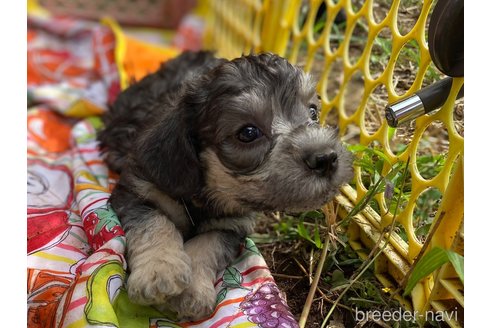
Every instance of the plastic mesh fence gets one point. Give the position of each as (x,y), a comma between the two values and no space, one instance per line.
(365,55)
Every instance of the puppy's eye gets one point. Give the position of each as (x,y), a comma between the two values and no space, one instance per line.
(313,112)
(249,133)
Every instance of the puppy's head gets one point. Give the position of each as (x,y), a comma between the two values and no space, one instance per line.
(245,136)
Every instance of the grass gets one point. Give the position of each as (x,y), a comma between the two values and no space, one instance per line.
(318,244)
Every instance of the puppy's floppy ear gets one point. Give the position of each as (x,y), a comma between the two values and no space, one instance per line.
(167,154)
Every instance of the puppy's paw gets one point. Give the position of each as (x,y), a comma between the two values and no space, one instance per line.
(196,302)
(159,278)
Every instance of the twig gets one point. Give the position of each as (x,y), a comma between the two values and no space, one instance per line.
(281,275)
(328,210)
(311,260)
(326,298)
(303,269)
(381,249)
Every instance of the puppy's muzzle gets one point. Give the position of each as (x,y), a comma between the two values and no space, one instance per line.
(319,150)
(323,164)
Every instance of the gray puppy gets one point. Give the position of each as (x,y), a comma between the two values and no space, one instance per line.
(201,145)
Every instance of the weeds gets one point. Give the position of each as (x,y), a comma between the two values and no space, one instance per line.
(370,259)
(433,260)
(341,277)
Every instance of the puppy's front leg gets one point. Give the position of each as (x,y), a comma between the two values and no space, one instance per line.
(159,266)
(210,253)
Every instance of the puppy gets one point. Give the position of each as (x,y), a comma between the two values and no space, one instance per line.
(201,145)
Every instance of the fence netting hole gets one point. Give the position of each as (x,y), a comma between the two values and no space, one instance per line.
(302,15)
(406,67)
(358,40)
(371,165)
(380,53)
(317,65)
(319,23)
(334,79)
(380,10)
(351,135)
(432,150)
(337,34)
(374,109)
(357,5)
(459,117)
(424,212)
(331,117)
(400,137)
(408,14)
(353,93)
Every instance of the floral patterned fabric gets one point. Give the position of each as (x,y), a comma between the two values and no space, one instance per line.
(75,261)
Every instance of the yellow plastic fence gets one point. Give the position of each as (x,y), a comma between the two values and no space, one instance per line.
(378,55)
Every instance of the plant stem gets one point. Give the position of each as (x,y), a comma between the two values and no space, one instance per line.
(381,249)
(319,269)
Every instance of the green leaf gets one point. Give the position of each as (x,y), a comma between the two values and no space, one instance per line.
(458,263)
(365,165)
(395,170)
(301,229)
(221,296)
(232,278)
(338,278)
(382,155)
(319,26)
(391,133)
(350,262)
(430,262)
(317,238)
(423,230)
(357,148)
(312,215)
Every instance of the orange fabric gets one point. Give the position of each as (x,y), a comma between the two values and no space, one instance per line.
(49,130)
(143,58)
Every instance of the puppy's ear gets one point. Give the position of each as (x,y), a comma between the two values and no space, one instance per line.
(168,156)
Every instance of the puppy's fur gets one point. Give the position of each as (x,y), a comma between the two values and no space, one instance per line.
(201,145)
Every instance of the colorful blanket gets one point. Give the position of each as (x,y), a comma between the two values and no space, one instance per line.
(75,262)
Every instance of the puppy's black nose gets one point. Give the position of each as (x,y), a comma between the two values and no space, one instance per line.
(322,163)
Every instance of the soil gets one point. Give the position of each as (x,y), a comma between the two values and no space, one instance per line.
(289,264)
